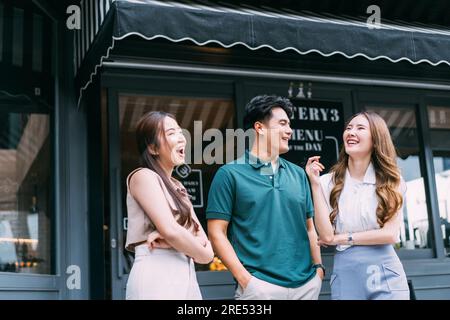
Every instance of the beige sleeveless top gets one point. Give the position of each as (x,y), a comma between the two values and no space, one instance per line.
(139,223)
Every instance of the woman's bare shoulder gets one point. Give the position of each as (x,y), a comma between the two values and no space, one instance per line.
(143,176)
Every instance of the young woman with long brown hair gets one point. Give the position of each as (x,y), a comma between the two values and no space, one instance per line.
(163,229)
(358,208)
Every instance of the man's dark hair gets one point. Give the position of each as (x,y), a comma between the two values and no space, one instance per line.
(260,109)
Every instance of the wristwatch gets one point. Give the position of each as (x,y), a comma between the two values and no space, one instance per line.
(350,238)
(319,265)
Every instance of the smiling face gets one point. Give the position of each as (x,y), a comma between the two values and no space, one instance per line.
(173,144)
(279,131)
(358,138)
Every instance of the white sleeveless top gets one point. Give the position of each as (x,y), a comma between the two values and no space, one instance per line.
(357,203)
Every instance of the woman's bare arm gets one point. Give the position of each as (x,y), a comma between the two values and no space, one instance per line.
(159,212)
(388,234)
(321,210)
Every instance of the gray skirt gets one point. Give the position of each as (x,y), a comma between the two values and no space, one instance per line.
(368,273)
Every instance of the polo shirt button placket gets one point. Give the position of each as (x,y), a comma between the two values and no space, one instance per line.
(276,181)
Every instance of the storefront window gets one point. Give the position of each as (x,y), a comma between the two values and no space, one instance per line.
(442,170)
(439,123)
(196,116)
(25,209)
(402,123)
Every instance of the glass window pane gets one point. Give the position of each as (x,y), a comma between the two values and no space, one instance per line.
(196,115)
(25,208)
(415,232)
(439,119)
(442,171)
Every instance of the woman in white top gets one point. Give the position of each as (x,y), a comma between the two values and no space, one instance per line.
(163,229)
(358,209)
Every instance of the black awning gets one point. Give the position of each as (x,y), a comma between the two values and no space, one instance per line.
(257,28)
(279,31)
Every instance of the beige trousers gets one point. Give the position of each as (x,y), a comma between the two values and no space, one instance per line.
(162,274)
(258,289)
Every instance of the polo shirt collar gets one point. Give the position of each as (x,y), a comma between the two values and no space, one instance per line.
(256,163)
(369,176)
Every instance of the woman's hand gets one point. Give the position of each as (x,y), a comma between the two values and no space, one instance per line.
(326,244)
(203,241)
(313,169)
(338,239)
(156,240)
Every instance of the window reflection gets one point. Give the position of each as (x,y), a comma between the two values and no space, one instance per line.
(442,173)
(439,123)
(25,220)
(415,232)
(439,118)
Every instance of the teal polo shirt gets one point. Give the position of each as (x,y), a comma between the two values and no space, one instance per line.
(267,214)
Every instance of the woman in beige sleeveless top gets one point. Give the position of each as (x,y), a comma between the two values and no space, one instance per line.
(163,229)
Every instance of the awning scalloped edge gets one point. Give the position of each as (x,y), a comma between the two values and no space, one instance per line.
(106,56)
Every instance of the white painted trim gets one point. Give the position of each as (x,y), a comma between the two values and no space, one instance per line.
(94,73)
(260,74)
(282,50)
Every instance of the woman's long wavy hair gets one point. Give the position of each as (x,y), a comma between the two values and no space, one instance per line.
(386,171)
(150,131)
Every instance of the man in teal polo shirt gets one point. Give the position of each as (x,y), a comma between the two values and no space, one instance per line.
(260,213)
